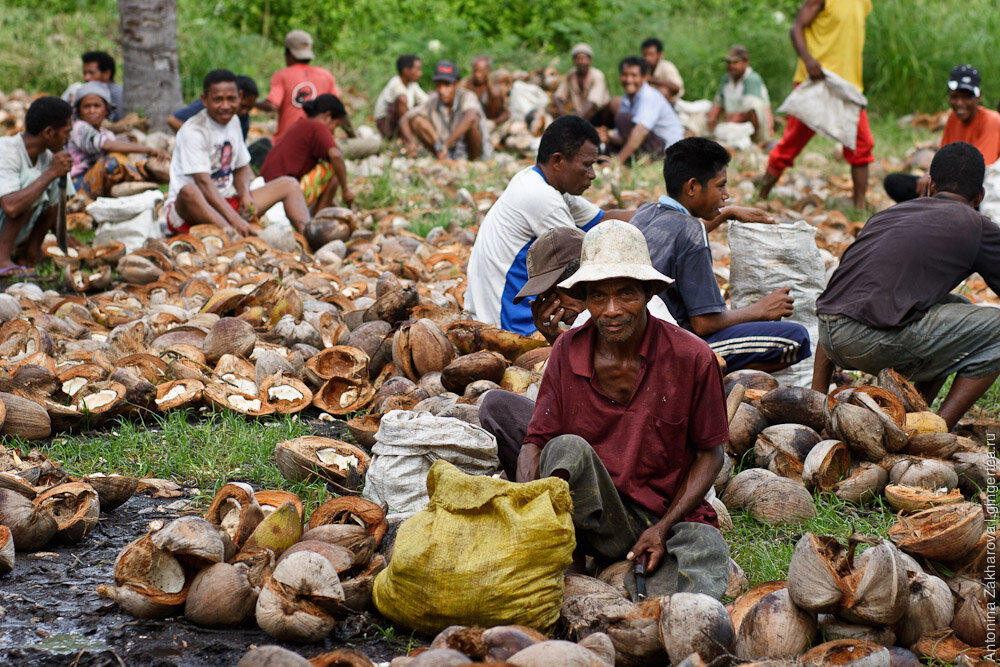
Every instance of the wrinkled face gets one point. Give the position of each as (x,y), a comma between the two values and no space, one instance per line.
(446,91)
(632,79)
(480,71)
(221,100)
(736,68)
(964,104)
(575,174)
(246,103)
(651,56)
(618,308)
(582,62)
(91,72)
(706,200)
(93,110)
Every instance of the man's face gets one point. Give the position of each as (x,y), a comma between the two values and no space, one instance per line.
(56,138)
(415,72)
(632,79)
(246,103)
(446,91)
(92,110)
(736,68)
(91,72)
(964,104)
(575,174)
(582,62)
(571,307)
(651,56)
(707,199)
(221,100)
(480,72)
(618,308)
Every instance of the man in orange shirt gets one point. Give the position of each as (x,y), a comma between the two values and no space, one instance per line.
(967,122)
(298,82)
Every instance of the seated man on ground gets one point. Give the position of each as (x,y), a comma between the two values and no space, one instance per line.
(742,97)
(402,93)
(309,153)
(31,165)
(889,303)
(694,173)
(248,99)
(583,91)
(100,66)
(644,122)
(449,122)
(967,122)
(632,414)
(210,171)
(553,258)
(489,94)
(663,74)
(537,198)
(99,158)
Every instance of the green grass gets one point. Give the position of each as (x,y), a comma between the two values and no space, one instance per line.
(203,451)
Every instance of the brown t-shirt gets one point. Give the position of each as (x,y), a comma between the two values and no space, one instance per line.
(908,258)
(648,444)
(298,150)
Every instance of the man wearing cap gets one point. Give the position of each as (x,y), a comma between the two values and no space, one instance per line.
(584,91)
(889,303)
(967,122)
(449,122)
(742,96)
(645,122)
(826,34)
(537,198)
(298,82)
(663,74)
(631,413)
(694,173)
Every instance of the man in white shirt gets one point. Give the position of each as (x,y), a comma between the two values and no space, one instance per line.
(210,171)
(538,198)
(402,93)
(645,121)
(663,74)
(583,91)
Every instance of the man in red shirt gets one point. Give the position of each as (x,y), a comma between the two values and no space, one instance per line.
(631,413)
(298,82)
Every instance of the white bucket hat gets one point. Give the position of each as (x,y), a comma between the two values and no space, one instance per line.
(616,249)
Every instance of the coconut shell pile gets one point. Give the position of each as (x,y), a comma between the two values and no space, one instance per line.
(254,556)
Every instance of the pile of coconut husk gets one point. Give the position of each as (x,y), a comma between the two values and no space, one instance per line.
(254,555)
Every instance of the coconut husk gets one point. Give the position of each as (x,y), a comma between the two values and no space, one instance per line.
(482,365)
(394,307)
(322,459)
(935,445)
(534,360)
(794,405)
(341,361)
(349,509)
(695,623)
(875,591)
(229,335)
(6,551)
(363,428)
(751,379)
(865,481)
(154,583)
(223,396)
(31,528)
(930,608)
(358,588)
(847,653)
(893,437)
(816,573)
(235,509)
(826,464)
(783,448)
(739,607)
(112,490)
(860,429)
(75,506)
(35,379)
(909,499)
(930,474)
(286,395)
(898,386)
(421,347)
(24,418)
(193,540)
(781,500)
(177,394)
(742,485)
(342,657)
(744,428)
(340,396)
(943,645)
(775,628)
(75,378)
(352,537)
(470,336)
(943,533)
(887,401)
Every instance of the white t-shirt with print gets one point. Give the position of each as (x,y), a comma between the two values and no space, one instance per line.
(498,264)
(206,147)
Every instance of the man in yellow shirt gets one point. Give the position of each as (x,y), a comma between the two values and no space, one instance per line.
(827,34)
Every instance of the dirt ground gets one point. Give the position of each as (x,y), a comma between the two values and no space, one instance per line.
(51,615)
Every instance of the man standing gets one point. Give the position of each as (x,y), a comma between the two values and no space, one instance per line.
(583,91)
(742,96)
(537,198)
(210,171)
(449,122)
(402,93)
(663,74)
(298,82)
(966,122)
(31,165)
(694,173)
(645,121)
(888,303)
(631,413)
(100,66)
(827,34)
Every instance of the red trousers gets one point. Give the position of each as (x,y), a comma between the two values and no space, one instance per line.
(797,135)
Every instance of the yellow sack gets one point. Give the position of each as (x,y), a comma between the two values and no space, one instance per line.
(485,552)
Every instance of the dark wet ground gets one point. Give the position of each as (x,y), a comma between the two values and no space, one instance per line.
(51,615)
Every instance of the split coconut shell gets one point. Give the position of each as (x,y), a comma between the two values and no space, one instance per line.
(315,458)
(945,533)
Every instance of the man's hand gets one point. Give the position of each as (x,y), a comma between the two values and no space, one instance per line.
(602,132)
(528,462)
(748,214)
(243,227)
(924,186)
(348,196)
(653,542)
(814,69)
(547,312)
(410,148)
(248,211)
(61,163)
(775,305)
(442,154)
